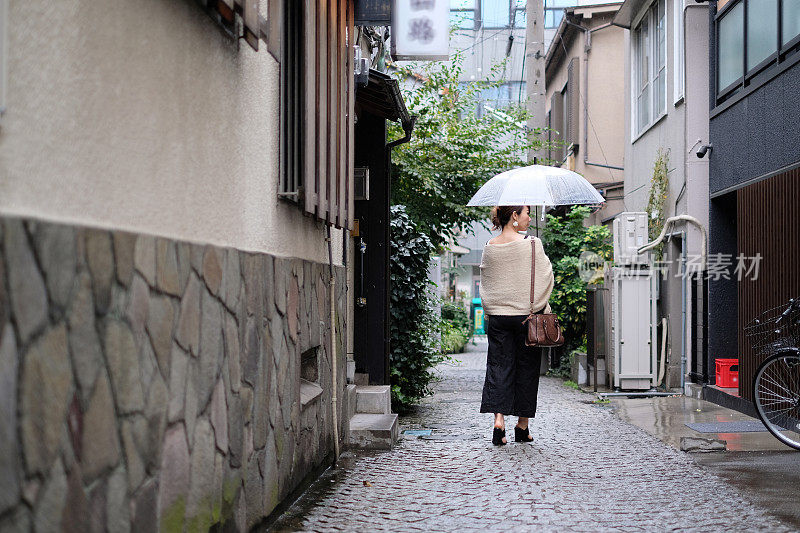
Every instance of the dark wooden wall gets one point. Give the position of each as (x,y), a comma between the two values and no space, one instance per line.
(768,216)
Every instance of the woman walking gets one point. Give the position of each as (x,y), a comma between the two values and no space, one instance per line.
(512,368)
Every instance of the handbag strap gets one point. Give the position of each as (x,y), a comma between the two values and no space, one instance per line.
(533,270)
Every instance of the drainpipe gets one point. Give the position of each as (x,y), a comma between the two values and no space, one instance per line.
(334,358)
(587,47)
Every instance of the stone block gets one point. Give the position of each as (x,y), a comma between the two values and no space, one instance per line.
(253,284)
(55,245)
(261,408)
(232,351)
(235,419)
(231,279)
(212,269)
(76,517)
(26,287)
(191,407)
(374,399)
(97,507)
(124,250)
(269,471)
(9,447)
(253,490)
(179,364)
(138,306)
(188,331)
(173,479)
(293,309)
(281,273)
(123,366)
(211,347)
(146,508)
(117,503)
(160,321)
(50,504)
(133,457)
(87,355)
(252,351)
(45,391)
(147,364)
(702,444)
(219,417)
(198,503)
(99,444)
(167,277)
(373,431)
(144,258)
(155,413)
(100,259)
(184,253)
(269,285)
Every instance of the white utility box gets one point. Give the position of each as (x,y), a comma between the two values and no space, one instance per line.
(633,364)
(630,233)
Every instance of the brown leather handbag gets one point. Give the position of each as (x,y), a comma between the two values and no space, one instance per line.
(543,328)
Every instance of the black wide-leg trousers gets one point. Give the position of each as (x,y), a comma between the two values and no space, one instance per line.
(512,369)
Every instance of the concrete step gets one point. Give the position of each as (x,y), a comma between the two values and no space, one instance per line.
(373,431)
(351,401)
(374,399)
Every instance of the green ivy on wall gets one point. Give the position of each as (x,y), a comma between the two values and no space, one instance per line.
(657,202)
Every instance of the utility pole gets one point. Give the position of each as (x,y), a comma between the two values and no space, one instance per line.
(534,70)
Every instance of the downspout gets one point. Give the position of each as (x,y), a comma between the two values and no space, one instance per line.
(587,47)
(334,359)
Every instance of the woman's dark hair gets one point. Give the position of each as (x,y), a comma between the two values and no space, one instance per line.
(502,214)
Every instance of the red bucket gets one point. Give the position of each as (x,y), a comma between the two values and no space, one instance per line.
(728,373)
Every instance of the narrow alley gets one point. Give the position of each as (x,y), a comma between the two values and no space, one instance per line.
(586,470)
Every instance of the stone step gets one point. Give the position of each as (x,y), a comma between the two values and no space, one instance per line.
(350,401)
(374,399)
(373,431)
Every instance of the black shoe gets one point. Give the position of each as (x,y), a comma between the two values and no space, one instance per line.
(497,436)
(522,435)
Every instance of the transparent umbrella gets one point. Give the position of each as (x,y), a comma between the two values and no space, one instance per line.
(537,185)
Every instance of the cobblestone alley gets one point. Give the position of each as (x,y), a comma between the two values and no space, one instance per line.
(586,470)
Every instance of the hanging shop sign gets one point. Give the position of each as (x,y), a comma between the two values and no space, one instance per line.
(420,30)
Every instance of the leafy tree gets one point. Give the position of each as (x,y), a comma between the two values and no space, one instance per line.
(453,151)
(564,239)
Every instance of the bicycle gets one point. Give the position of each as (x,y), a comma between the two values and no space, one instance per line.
(776,385)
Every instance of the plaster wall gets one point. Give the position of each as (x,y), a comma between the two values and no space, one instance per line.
(142,115)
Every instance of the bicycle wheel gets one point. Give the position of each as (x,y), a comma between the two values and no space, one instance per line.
(776,394)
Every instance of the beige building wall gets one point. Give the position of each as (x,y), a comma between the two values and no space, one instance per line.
(142,115)
(602,97)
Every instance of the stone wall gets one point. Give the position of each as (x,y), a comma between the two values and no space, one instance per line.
(149,383)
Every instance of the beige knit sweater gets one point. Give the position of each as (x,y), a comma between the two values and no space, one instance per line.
(506,278)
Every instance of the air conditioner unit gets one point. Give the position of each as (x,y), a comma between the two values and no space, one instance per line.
(634,294)
(630,233)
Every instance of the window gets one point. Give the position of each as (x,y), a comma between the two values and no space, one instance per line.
(292,98)
(753,35)
(496,98)
(462,13)
(490,14)
(731,47)
(650,72)
(554,12)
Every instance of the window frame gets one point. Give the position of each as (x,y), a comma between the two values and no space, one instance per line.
(651,14)
(760,73)
(478,18)
(678,52)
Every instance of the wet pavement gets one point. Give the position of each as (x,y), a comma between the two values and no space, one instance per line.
(587,470)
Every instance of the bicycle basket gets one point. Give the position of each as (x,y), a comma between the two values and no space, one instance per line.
(769,332)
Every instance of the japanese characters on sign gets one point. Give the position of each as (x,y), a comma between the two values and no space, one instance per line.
(420,29)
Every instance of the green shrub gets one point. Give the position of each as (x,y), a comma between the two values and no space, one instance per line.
(564,239)
(413,325)
(456,314)
(454,338)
